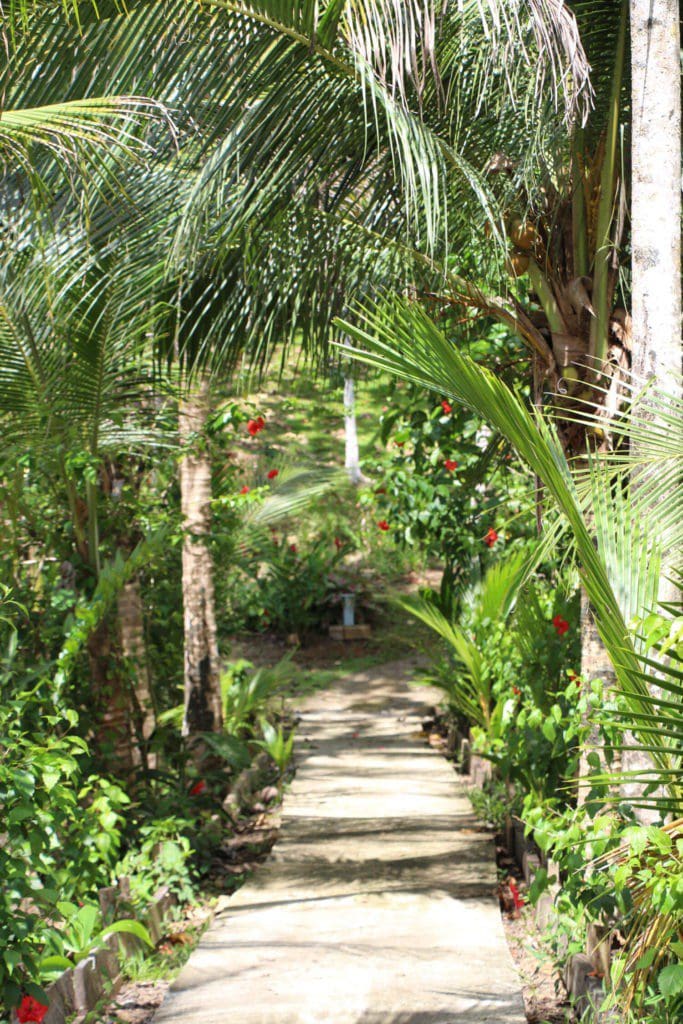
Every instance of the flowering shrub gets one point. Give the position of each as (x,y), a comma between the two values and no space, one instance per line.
(289,587)
(442,482)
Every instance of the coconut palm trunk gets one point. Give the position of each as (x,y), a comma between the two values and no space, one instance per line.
(111,694)
(655,232)
(656,209)
(131,625)
(202,679)
(656,188)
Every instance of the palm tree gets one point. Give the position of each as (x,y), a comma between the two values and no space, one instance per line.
(656,209)
(72,340)
(203,705)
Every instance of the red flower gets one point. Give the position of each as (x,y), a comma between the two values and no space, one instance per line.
(273,473)
(198,788)
(338,543)
(572,674)
(256,426)
(399,444)
(446,407)
(561,625)
(244,490)
(383,524)
(514,892)
(293,548)
(450,465)
(30,1010)
(491,537)
(516,690)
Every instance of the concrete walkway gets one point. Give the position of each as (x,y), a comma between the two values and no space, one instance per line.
(378,902)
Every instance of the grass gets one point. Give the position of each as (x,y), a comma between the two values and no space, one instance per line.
(305,416)
(165,962)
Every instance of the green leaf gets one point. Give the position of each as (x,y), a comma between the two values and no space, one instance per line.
(12,957)
(548,730)
(128,927)
(646,960)
(670,980)
(54,963)
(37,992)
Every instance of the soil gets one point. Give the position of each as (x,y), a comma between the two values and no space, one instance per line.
(544,997)
(543,1002)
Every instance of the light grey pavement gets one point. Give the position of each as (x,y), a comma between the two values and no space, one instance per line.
(377,904)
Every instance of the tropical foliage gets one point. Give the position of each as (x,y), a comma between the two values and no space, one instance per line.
(443,188)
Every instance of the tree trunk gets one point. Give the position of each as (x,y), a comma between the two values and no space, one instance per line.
(655,228)
(111,698)
(656,188)
(656,208)
(595,664)
(352,453)
(202,677)
(131,624)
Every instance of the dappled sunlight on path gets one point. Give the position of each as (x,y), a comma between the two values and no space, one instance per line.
(377,905)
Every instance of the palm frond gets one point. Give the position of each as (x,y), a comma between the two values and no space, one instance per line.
(400,338)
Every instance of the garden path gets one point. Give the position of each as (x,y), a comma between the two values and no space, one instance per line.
(377,904)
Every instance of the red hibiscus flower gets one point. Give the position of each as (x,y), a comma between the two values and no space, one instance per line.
(30,1010)
(198,788)
(447,408)
(273,473)
(490,538)
(514,892)
(383,524)
(256,426)
(561,625)
(450,465)
(244,490)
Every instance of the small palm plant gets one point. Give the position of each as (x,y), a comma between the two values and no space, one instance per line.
(277,745)
(468,683)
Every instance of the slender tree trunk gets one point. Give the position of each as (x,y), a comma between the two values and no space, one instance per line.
(595,664)
(131,624)
(352,453)
(202,677)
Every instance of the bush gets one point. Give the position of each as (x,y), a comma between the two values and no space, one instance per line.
(291,585)
(61,833)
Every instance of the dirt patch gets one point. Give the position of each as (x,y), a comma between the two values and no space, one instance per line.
(544,996)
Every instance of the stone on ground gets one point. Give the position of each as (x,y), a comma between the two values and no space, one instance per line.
(377,905)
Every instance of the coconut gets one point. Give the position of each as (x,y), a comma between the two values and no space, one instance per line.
(517,264)
(523,235)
